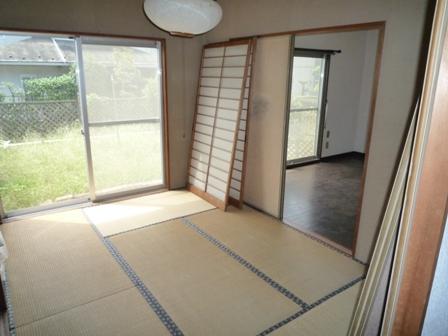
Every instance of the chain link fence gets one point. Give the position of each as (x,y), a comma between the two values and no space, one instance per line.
(20,119)
(302,133)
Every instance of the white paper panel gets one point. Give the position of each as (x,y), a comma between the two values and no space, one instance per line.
(211,82)
(206,110)
(227,114)
(222,155)
(204,129)
(229,104)
(223,144)
(238,165)
(236,175)
(198,175)
(201,157)
(239,155)
(235,184)
(211,72)
(226,124)
(200,147)
(231,83)
(208,91)
(198,184)
(212,62)
(240,145)
(199,165)
(223,165)
(233,72)
(206,120)
(216,193)
(222,88)
(203,138)
(234,194)
(216,183)
(242,125)
(213,52)
(230,93)
(207,101)
(236,50)
(241,135)
(223,134)
(235,61)
(219,174)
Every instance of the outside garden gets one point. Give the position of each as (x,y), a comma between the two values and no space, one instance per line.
(42,149)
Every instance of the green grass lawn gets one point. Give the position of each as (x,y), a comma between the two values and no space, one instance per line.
(45,170)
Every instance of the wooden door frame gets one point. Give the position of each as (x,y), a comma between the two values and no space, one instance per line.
(380,26)
(425,210)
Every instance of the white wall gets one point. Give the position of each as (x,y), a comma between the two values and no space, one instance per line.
(124,18)
(402,42)
(349,87)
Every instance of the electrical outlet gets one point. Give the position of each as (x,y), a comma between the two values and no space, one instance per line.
(328,134)
(327,144)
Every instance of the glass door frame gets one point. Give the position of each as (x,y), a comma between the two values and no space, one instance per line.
(322,104)
(129,42)
(91,195)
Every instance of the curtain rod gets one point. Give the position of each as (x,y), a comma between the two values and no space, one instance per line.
(324,51)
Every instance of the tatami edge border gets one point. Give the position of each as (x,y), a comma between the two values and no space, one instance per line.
(311,306)
(10,311)
(324,243)
(154,224)
(246,264)
(141,287)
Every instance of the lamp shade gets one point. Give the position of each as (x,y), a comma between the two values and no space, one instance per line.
(184,17)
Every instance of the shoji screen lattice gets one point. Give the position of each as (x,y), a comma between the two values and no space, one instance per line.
(220,121)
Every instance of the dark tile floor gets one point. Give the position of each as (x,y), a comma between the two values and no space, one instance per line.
(322,198)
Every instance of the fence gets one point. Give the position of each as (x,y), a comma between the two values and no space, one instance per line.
(17,120)
(302,133)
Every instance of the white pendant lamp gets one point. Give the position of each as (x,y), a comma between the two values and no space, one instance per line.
(184,17)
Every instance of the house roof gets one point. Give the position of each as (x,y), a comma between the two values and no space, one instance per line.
(16,49)
(36,49)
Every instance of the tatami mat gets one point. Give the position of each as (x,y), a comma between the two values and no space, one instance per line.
(118,217)
(203,290)
(307,268)
(331,318)
(125,313)
(56,262)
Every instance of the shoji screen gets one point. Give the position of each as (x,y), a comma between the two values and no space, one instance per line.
(220,102)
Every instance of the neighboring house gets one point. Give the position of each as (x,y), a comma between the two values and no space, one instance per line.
(28,57)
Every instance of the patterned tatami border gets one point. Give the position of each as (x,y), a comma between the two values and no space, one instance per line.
(138,283)
(10,310)
(161,312)
(246,264)
(310,307)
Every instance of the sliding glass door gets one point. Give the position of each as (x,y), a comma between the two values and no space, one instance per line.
(307,106)
(80,118)
(42,157)
(123,100)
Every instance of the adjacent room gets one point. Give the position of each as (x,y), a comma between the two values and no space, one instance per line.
(332,81)
(203,167)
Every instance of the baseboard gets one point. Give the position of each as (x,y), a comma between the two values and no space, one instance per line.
(354,155)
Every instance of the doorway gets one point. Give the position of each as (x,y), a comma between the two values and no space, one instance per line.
(81,119)
(310,69)
(323,183)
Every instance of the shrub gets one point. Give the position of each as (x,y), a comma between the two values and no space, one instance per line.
(62,87)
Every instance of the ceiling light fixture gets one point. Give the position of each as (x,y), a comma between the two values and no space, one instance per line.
(184,17)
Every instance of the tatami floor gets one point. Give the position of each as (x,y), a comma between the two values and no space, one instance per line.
(202,272)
